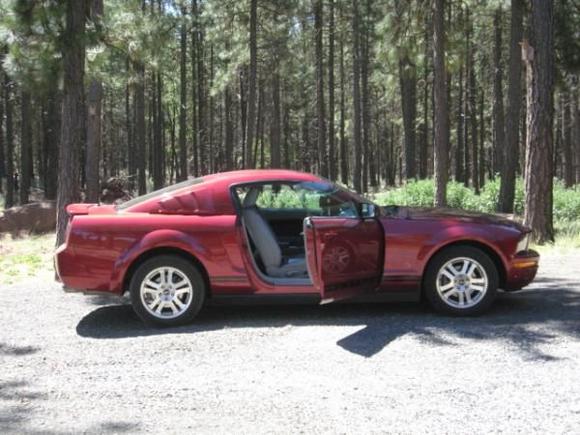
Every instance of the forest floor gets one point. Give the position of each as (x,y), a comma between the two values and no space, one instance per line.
(75,364)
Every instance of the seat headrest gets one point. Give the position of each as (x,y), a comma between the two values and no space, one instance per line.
(251,197)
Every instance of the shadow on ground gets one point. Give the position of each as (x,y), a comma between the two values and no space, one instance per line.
(524,321)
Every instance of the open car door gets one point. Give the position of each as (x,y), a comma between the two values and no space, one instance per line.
(344,255)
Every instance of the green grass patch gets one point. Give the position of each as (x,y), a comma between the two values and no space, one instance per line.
(26,257)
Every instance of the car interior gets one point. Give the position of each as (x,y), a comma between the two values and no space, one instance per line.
(276,238)
(273,218)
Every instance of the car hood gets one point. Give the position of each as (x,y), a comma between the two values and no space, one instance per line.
(421,213)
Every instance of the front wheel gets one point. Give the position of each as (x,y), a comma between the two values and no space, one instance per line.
(167,290)
(461,280)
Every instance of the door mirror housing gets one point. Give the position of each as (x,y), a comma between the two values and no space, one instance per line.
(368,210)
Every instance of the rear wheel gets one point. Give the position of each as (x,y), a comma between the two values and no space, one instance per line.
(167,290)
(461,280)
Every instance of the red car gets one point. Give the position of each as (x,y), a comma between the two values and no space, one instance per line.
(284,236)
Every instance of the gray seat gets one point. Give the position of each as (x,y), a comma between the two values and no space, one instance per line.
(266,244)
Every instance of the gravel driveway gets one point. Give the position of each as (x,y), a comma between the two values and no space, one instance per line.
(73,364)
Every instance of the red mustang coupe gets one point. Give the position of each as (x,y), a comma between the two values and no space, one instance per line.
(285,236)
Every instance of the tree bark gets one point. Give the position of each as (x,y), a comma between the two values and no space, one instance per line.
(364,49)
(357,176)
(320,112)
(569,175)
(539,58)
(182,172)
(73,111)
(2,145)
(459,158)
(275,121)
(229,130)
(441,126)
(472,108)
(408,87)
(498,112)
(331,137)
(94,129)
(25,146)
(8,88)
(342,127)
(51,132)
(141,149)
(251,110)
(510,156)
(576,133)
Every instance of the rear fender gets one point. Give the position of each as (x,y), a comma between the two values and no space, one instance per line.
(156,239)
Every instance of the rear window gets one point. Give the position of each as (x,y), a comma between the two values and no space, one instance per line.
(169,189)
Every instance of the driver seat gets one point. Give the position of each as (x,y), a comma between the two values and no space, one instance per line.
(266,244)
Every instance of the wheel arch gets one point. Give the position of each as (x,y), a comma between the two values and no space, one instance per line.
(488,250)
(165,250)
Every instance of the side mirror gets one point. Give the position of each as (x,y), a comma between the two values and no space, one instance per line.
(367,210)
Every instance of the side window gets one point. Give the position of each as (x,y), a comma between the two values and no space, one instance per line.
(316,199)
(326,199)
(279,196)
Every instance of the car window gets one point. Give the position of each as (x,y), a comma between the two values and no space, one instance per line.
(316,199)
(169,189)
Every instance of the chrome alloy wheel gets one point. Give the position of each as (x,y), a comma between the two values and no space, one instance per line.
(462,282)
(166,292)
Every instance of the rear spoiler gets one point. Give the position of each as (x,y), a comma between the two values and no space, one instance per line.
(87,208)
(78,209)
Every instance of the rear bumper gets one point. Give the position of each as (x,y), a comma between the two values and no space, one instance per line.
(522,270)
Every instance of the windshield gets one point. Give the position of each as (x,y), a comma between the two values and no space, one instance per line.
(172,188)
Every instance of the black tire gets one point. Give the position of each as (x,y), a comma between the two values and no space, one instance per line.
(184,266)
(438,302)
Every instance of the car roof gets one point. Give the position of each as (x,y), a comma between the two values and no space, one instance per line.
(257,175)
(214,190)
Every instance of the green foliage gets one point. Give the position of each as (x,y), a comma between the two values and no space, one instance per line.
(420,194)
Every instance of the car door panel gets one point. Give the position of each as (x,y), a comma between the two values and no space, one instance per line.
(344,255)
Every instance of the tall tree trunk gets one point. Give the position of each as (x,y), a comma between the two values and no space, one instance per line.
(193,165)
(498,112)
(472,106)
(8,100)
(331,137)
(275,121)
(229,130)
(569,175)
(342,127)
(424,145)
(357,175)
(364,48)
(25,146)
(441,126)
(576,132)
(251,110)
(182,172)
(510,156)
(51,139)
(94,130)
(539,57)
(408,87)
(73,111)
(320,112)
(2,144)
(141,149)
(460,116)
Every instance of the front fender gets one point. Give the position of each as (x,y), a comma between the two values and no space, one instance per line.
(457,234)
(164,238)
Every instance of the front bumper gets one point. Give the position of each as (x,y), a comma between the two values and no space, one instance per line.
(522,270)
